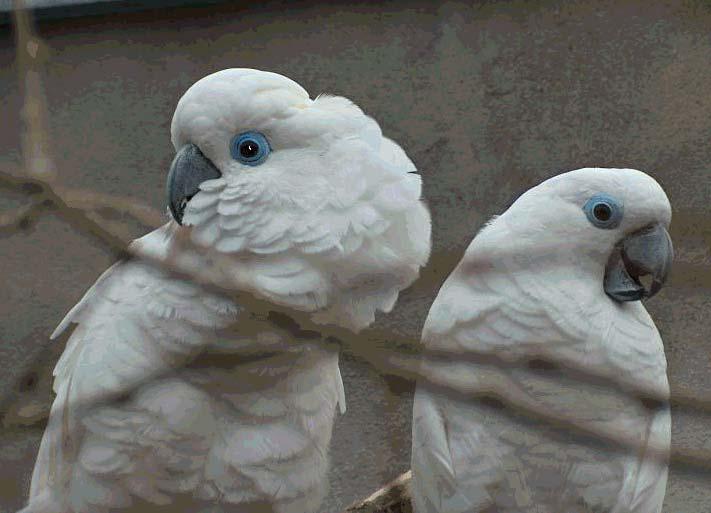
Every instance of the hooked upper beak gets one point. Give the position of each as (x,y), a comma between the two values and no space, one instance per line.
(647,252)
(188,170)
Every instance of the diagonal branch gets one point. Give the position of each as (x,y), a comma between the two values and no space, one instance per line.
(74,213)
(368,344)
(21,219)
(121,205)
(394,497)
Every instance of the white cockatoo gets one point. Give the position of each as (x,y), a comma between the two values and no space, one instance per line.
(156,408)
(556,276)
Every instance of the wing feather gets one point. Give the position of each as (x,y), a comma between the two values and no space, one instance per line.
(135,323)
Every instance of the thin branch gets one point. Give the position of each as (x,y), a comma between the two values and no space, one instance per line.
(85,200)
(20,183)
(118,242)
(394,497)
(76,217)
(21,219)
(31,55)
(122,205)
(74,211)
(367,343)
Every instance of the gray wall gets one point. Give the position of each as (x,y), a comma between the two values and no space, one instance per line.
(488,98)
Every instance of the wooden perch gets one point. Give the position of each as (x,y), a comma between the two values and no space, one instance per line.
(394,497)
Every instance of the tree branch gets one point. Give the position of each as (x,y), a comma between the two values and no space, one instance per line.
(368,344)
(21,219)
(394,497)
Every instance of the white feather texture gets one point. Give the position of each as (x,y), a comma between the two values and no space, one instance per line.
(156,410)
(531,282)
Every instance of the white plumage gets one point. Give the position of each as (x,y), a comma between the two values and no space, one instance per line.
(531,283)
(156,407)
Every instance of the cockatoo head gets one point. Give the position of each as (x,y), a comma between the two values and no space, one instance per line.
(611,222)
(262,171)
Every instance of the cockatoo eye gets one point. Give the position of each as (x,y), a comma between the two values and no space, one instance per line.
(604,211)
(250,148)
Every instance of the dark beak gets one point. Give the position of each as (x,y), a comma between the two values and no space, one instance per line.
(189,169)
(648,252)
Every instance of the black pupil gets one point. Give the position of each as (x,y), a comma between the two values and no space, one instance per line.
(602,212)
(249,149)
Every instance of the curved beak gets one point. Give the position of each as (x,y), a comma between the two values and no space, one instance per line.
(648,252)
(189,169)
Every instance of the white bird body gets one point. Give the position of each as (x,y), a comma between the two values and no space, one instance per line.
(159,407)
(531,284)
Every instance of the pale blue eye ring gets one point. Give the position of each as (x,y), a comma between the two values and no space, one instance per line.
(604,211)
(250,148)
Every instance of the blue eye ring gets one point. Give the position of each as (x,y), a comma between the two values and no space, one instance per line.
(604,211)
(250,148)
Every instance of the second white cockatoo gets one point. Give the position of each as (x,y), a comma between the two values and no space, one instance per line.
(156,409)
(559,276)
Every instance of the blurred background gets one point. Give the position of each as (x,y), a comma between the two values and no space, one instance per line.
(488,98)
